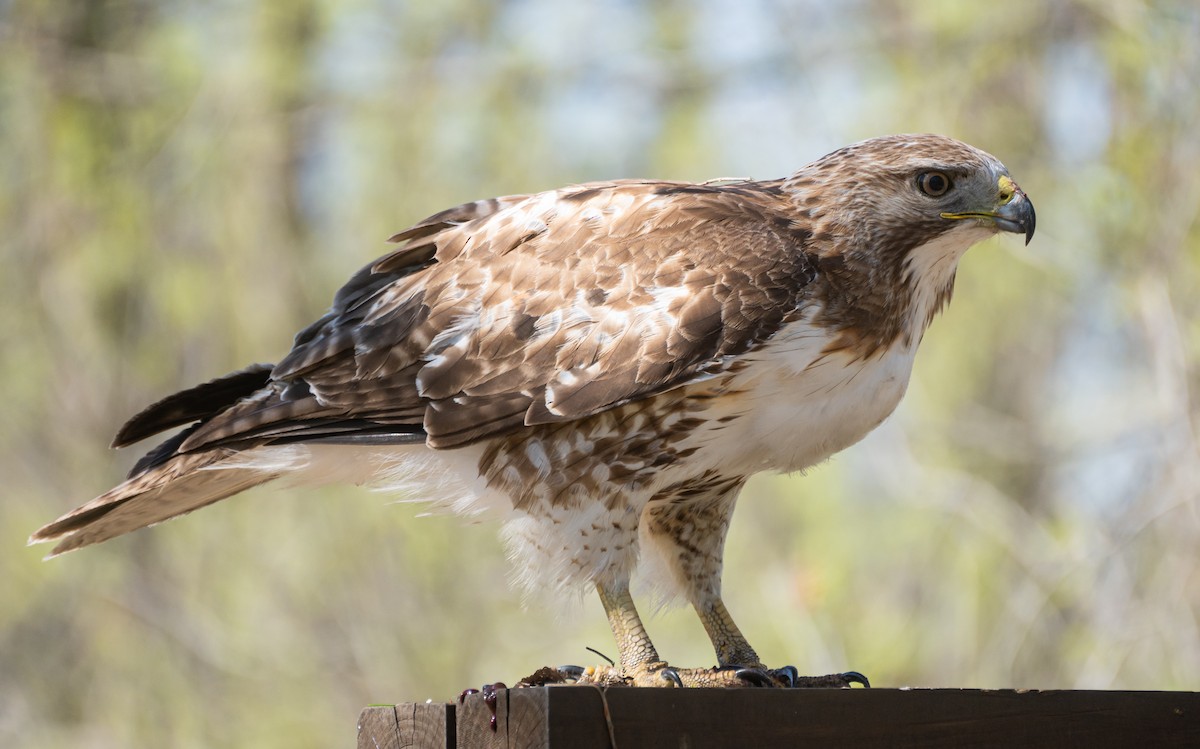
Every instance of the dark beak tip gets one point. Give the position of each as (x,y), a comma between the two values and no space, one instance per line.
(1032,222)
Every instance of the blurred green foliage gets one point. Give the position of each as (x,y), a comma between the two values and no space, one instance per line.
(182,186)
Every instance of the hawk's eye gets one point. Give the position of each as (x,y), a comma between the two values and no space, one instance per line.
(933,184)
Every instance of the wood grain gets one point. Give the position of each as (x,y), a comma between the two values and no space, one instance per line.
(407,726)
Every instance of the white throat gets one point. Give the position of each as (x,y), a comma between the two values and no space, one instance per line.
(930,268)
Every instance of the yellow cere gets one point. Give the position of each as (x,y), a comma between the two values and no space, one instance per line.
(1008,189)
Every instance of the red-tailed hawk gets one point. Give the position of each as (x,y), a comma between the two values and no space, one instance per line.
(602,366)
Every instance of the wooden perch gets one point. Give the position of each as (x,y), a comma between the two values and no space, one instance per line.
(558,717)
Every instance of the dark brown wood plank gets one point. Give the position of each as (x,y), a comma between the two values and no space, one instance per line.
(902,718)
(574,716)
(407,726)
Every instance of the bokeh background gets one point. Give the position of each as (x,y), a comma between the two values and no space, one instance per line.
(184,185)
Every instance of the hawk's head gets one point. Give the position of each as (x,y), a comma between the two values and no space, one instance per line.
(892,216)
(893,194)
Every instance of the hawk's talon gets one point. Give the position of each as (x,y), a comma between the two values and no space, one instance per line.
(756,677)
(571,673)
(788,674)
(671,675)
(832,681)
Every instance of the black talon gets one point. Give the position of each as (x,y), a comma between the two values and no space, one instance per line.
(854,677)
(571,673)
(788,674)
(755,676)
(671,674)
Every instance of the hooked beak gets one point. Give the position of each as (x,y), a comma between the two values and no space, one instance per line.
(1013,212)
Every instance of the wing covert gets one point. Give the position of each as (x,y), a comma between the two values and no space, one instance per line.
(540,309)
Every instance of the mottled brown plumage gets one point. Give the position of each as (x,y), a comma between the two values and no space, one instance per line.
(603,366)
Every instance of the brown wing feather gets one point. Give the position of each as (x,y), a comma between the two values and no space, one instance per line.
(539,309)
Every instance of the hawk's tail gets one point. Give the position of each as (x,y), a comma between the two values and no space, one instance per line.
(177,486)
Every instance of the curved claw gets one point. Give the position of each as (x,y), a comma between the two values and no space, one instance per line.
(788,674)
(756,677)
(854,677)
(671,675)
(570,673)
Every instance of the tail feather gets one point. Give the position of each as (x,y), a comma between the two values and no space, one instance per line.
(184,483)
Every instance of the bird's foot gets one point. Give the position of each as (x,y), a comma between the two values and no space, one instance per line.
(789,678)
(659,674)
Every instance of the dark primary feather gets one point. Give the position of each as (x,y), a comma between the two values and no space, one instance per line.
(187,406)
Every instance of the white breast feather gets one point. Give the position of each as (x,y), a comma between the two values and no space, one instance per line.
(800,406)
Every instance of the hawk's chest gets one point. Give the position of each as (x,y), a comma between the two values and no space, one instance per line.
(796,404)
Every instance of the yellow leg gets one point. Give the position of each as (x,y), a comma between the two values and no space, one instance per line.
(637,652)
(731,646)
(640,664)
